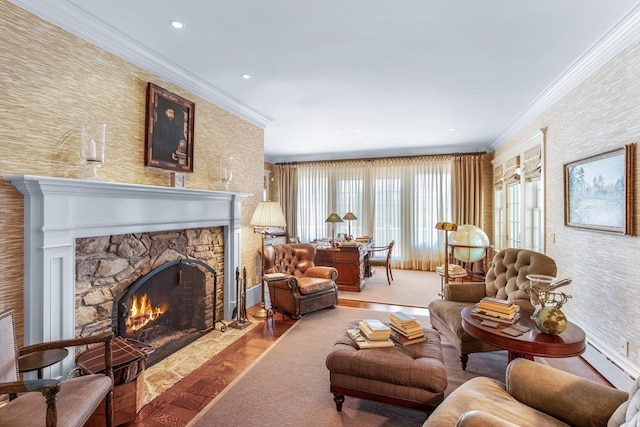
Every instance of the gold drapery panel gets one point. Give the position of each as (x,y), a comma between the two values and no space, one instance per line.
(466,190)
(289,197)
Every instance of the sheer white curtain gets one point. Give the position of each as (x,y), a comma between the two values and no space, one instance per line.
(394,199)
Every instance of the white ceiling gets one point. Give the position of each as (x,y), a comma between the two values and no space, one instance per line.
(356,78)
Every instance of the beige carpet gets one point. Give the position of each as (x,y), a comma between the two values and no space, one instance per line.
(289,384)
(409,287)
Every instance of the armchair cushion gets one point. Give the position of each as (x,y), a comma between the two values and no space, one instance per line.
(78,397)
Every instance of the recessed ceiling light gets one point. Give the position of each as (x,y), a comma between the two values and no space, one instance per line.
(246,76)
(452,130)
(176,24)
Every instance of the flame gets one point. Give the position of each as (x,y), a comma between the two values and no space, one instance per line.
(141,313)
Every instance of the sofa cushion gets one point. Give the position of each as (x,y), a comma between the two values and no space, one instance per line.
(628,414)
(311,285)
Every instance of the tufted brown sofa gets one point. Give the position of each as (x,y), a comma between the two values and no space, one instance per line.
(307,288)
(505,279)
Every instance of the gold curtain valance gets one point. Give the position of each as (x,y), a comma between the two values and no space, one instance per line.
(385,160)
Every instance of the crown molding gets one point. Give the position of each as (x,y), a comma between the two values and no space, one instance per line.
(71,18)
(621,36)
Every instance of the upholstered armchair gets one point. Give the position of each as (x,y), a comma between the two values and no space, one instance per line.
(505,279)
(537,395)
(51,402)
(307,287)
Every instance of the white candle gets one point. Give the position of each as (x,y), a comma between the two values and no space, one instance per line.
(92,150)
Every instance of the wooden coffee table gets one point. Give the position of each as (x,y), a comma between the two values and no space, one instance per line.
(532,343)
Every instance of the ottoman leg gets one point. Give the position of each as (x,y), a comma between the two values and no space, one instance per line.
(338,398)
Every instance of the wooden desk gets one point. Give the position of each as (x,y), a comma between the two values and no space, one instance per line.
(349,261)
(533,343)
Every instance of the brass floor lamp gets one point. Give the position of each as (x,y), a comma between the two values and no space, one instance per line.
(267,214)
(447,227)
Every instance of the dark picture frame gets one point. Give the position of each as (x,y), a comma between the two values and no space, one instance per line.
(599,191)
(169,130)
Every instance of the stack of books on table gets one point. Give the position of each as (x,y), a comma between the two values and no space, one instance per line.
(455,270)
(371,333)
(405,329)
(498,310)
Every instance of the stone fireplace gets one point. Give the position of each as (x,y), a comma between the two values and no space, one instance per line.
(57,211)
(160,288)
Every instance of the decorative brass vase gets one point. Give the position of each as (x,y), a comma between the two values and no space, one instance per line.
(550,320)
(547,315)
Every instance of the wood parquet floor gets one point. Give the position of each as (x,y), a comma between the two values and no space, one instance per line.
(182,402)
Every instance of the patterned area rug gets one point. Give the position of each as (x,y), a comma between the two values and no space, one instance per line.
(289,384)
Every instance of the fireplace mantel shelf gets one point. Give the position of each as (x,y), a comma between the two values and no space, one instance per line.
(59,210)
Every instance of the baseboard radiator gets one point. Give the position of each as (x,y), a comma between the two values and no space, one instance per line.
(616,370)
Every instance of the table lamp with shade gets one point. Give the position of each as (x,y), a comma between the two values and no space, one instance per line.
(333,218)
(266,215)
(447,227)
(349,216)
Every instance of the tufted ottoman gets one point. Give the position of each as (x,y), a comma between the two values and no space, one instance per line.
(411,376)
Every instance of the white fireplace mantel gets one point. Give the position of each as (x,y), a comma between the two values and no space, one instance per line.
(59,210)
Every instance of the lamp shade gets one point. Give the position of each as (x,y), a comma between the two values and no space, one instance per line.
(334,217)
(268,214)
(349,216)
(448,226)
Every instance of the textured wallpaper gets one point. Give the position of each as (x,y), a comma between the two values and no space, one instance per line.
(601,114)
(51,82)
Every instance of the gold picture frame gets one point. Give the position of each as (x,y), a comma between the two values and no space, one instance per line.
(599,191)
(169,130)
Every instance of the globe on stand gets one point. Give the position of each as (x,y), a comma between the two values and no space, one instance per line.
(469,243)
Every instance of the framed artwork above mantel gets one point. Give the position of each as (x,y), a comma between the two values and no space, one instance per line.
(169,130)
(599,191)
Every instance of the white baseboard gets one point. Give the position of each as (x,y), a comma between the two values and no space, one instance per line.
(615,369)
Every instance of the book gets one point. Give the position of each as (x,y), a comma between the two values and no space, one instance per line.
(379,333)
(376,325)
(363,342)
(407,328)
(415,334)
(500,305)
(402,340)
(402,318)
(493,313)
(482,316)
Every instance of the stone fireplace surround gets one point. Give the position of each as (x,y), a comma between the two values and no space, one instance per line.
(59,210)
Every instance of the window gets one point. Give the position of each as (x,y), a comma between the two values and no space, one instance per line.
(518,216)
(393,199)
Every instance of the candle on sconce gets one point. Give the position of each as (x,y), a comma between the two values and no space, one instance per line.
(92,151)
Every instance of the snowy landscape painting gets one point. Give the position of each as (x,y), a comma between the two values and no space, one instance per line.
(596,192)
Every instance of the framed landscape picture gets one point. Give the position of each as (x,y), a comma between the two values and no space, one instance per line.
(598,191)
(169,135)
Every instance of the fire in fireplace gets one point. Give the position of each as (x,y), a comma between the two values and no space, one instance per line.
(168,308)
(142,312)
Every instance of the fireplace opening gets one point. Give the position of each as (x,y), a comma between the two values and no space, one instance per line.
(168,308)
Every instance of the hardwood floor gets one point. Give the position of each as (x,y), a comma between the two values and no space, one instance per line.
(182,402)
